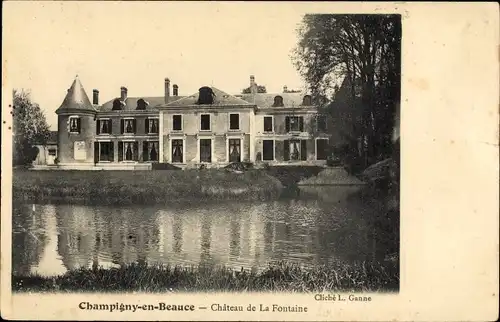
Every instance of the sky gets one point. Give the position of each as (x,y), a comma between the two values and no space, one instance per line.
(138,44)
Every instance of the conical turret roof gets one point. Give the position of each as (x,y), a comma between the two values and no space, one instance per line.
(76,99)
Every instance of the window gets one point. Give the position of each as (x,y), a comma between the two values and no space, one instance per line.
(128,125)
(152,125)
(295,150)
(234,150)
(128,151)
(177,122)
(177,151)
(234,121)
(307,101)
(206,95)
(321,149)
(268,150)
(150,150)
(74,124)
(141,104)
(294,123)
(106,151)
(205,150)
(52,152)
(268,124)
(117,105)
(278,101)
(321,123)
(104,126)
(205,122)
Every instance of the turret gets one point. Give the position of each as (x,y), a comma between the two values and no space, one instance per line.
(76,127)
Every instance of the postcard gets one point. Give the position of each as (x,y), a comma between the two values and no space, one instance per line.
(280,161)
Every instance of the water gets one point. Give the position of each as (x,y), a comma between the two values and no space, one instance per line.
(320,227)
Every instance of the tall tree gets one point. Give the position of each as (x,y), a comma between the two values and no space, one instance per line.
(364,51)
(29,126)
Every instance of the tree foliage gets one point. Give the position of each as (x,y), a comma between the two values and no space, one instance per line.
(361,52)
(29,126)
(260,89)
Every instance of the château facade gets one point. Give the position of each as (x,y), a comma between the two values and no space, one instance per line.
(208,127)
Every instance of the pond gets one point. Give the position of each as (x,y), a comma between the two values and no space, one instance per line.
(321,226)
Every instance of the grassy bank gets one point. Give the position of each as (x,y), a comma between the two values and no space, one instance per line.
(289,176)
(282,278)
(126,187)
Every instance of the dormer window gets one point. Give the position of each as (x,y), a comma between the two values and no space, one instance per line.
(74,124)
(117,105)
(307,100)
(278,101)
(206,96)
(141,104)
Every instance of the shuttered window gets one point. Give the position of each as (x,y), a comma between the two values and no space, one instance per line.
(128,126)
(294,123)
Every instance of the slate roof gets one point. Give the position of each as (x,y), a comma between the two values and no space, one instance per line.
(221,98)
(131,103)
(266,100)
(76,99)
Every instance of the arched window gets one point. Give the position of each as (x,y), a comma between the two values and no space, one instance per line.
(117,105)
(141,104)
(206,95)
(278,101)
(307,101)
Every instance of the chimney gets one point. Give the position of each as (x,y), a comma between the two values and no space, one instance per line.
(176,90)
(123,93)
(167,90)
(95,97)
(253,86)
(285,89)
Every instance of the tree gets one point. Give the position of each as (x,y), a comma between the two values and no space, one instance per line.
(364,51)
(29,126)
(260,89)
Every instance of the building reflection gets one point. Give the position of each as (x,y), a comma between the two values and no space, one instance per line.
(76,235)
(250,235)
(29,238)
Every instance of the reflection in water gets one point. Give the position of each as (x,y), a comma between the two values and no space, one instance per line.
(50,239)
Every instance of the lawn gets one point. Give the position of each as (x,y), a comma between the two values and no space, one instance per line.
(282,277)
(126,187)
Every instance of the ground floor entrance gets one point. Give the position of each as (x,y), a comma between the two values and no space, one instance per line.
(126,151)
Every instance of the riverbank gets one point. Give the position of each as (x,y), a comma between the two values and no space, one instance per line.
(360,277)
(148,187)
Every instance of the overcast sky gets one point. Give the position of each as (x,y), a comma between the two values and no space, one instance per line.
(138,44)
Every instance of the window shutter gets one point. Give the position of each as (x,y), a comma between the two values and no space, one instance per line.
(120,151)
(303,150)
(287,123)
(301,124)
(96,152)
(122,126)
(78,124)
(110,126)
(145,150)
(146,127)
(134,125)
(98,128)
(286,150)
(112,151)
(136,148)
